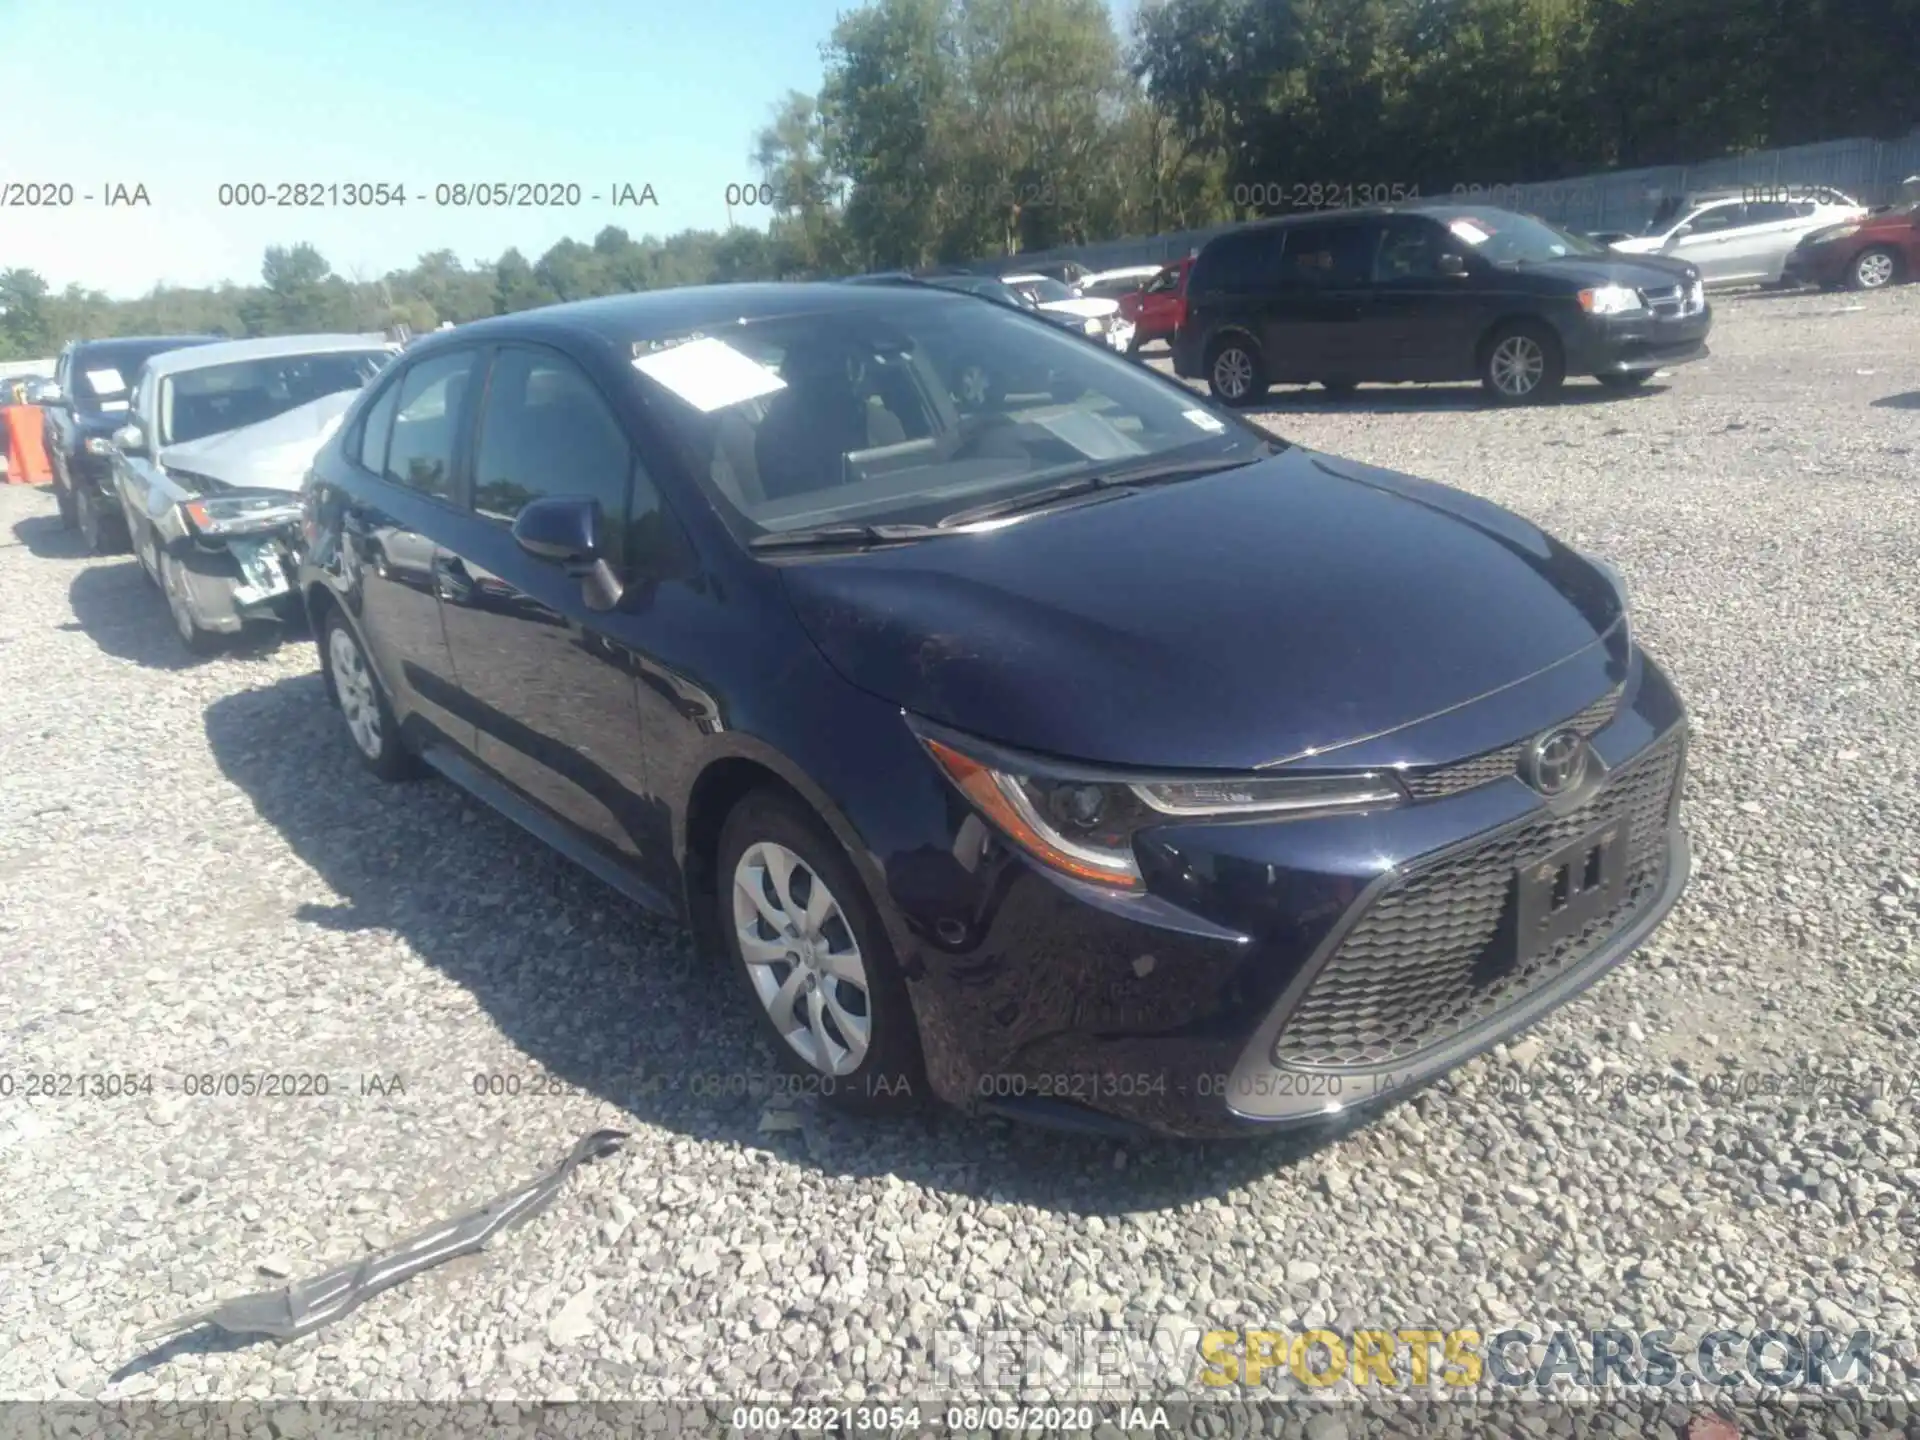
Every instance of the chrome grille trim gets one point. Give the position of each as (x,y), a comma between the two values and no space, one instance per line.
(1445,780)
(1401,981)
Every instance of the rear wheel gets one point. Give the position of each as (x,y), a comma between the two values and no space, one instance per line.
(1522,364)
(63,497)
(1236,371)
(1873,269)
(363,705)
(815,960)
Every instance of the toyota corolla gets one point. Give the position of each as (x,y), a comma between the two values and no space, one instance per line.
(1078,752)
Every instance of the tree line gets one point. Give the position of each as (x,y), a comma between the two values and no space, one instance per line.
(951,130)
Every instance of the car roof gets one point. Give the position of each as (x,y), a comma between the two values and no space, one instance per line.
(266,347)
(620,320)
(106,342)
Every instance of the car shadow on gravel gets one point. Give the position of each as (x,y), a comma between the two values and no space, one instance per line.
(1909,400)
(45,537)
(117,606)
(613,1000)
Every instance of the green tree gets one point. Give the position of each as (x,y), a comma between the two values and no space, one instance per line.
(25,332)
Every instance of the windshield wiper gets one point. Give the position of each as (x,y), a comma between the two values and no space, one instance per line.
(1148,474)
(826,535)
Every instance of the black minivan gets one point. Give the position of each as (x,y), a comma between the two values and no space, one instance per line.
(1434,293)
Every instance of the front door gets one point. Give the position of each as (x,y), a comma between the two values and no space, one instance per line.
(1712,242)
(549,687)
(1422,321)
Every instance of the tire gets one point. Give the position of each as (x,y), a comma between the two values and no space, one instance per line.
(1625,381)
(1873,269)
(144,547)
(836,975)
(99,528)
(1521,363)
(355,688)
(63,497)
(172,585)
(1237,372)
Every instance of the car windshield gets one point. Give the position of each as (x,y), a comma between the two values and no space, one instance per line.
(198,403)
(1511,239)
(102,375)
(859,416)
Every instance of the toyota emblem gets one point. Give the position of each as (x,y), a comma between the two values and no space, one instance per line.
(1556,762)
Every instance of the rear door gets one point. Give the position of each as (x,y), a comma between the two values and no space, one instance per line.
(1314,329)
(550,688)
(1757,249)
(406,451)
(1712,241)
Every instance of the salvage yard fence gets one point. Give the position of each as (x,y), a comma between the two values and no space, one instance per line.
(1871,171)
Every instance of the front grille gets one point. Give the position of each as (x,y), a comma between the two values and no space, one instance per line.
(1405,977)
(1664,300)
(1484,769)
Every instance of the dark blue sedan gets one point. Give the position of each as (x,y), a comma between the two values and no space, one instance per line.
(1059,745)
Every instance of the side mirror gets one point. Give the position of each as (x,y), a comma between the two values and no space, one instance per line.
(1451,264)
(130,439)
(1680,233)
(563,529)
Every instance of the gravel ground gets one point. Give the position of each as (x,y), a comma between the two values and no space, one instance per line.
(199,880)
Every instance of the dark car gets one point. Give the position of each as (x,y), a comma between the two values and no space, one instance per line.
(1100,760)
(1874,251)
(1431,294)
(91,392)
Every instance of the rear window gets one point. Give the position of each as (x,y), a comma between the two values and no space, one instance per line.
(1328,254)
(1243,260)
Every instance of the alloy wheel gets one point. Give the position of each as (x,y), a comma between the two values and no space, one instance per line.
(1233,372)
(353,683)
(1517,366)
(174,583)
(802,958)
(1873,269)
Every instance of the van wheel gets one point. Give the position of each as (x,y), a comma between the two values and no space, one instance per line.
(1521,364)
(1873,269)
(1236,371)
(173,584)
(816,963)
(63,497)
(99,529)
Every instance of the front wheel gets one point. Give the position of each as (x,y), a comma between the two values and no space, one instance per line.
(63,497)
(1237,372)
(1872,269)
(1522,364)
(98,528)
(173,584)
(808,944)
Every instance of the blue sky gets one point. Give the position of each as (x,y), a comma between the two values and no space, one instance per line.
(183,96)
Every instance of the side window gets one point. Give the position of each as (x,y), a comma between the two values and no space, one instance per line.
(1329,256)
(426,424)
(375,426)
(1410,249)
(1162,283)
(545,432)
(1716,218)
(1765,212)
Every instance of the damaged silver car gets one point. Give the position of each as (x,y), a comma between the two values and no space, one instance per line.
(209,464)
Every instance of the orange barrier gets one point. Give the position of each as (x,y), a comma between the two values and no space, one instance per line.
(26,448)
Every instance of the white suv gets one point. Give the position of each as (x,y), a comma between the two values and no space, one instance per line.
(1744,237)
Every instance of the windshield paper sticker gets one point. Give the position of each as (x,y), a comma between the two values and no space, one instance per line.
(1204,420)
(708,374)
(106,382)
(1469,232)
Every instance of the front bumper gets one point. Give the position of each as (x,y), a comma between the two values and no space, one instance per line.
(244,578)
(1822,265)
(1279,974)
(1634,344)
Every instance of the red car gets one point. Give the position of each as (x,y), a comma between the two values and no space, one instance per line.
(1158,309)
(1864,254)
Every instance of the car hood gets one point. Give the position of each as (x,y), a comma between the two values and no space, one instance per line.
(1635,270)
(1242,619)
(274,454)
(1088,307)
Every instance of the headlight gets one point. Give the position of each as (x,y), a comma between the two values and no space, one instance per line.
(98,445)
(1836,232)
(241,514)
(1610,300)
(1697,295)
(1619,583)
(1082,822)
(1090,325)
